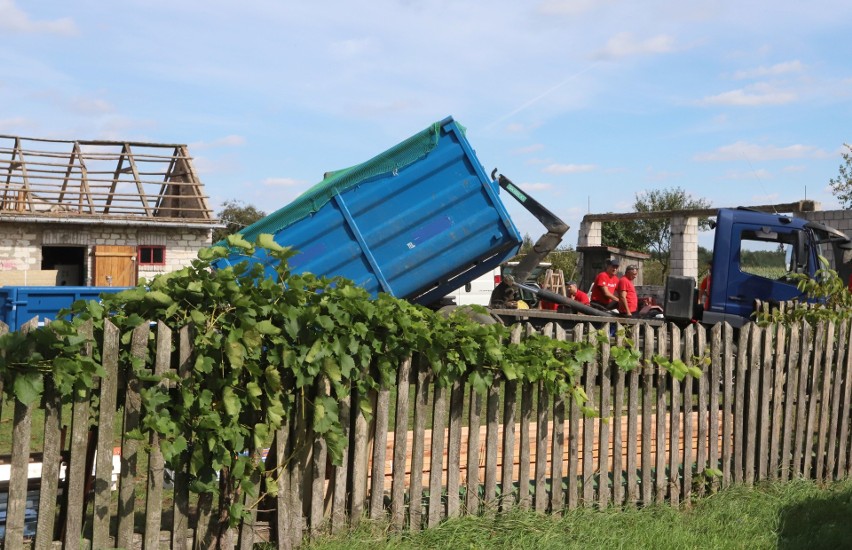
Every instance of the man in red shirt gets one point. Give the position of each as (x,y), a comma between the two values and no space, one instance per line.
(628,302)
(576,294)
(603,290)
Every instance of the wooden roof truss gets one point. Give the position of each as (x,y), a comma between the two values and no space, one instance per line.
(99,178)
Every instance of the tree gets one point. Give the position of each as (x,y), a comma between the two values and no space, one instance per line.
(236,216)
(841,186)
(653,236)
(625,234)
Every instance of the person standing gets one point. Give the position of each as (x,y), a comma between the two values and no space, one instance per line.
(628,302)
(704,291)
(603,290)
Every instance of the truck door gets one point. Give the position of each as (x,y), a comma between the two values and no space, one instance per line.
(761,260)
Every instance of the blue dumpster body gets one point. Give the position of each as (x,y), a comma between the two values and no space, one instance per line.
(417,221)
(19,304)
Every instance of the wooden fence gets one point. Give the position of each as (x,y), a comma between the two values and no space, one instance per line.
(773,403)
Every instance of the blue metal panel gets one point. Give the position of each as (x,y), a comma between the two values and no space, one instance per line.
(417,233)
(19,304)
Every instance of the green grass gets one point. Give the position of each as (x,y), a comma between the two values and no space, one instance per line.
(799,514)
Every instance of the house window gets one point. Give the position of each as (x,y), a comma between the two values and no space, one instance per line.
(152,255)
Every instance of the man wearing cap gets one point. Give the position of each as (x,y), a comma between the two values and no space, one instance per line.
(603,291)
(628,302)
(576,294)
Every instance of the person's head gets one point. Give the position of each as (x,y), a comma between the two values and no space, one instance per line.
(611,265)
(571,288)
(631,272)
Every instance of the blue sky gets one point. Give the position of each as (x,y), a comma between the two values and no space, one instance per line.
(584,103)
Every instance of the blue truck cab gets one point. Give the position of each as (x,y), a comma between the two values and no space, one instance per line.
(754,255)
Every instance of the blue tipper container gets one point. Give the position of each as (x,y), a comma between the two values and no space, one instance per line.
(417,221)
(19,304)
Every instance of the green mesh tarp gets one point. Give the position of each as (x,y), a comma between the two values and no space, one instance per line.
(395,158)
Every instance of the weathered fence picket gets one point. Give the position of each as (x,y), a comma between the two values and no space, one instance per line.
(400,441)
(777,415)
(843,458)
(589,465)
(421,403)
(673,410)
(790,392)
(824,401)
(454,449)
(661,391)
(715,384)
(801,399)
(834,414)
(728,405)
(688,457)
(472,480)
(647,417)
(633,429)
(604,425)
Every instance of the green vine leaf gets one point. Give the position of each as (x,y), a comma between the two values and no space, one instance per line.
(28,387)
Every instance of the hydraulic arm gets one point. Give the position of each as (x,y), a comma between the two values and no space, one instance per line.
(548,242)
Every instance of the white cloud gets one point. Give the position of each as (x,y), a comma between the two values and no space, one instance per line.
(570,8)
(519,128)
(216,166)
(14,19)
(751,96)
(769,198)
(794,168)
(537,161)
(283,182)
(536,186)
(661,175)
(568,168)
(13,122)
(759,174)
(742,150)
(529,149)
(624,45)
(232,140)
(91,106)
(772,70)
(347,49)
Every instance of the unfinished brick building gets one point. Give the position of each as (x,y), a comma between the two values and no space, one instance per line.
(99,213)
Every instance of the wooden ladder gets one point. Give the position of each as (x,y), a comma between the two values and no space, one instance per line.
(554,281)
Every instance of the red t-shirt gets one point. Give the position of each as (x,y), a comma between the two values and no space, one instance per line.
(603,279)
(581,297)
(632,300)
(705,287)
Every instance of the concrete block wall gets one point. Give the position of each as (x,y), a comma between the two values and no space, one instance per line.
(838,219)
(21,244)
(683,259)
(16,250)
(590,234)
